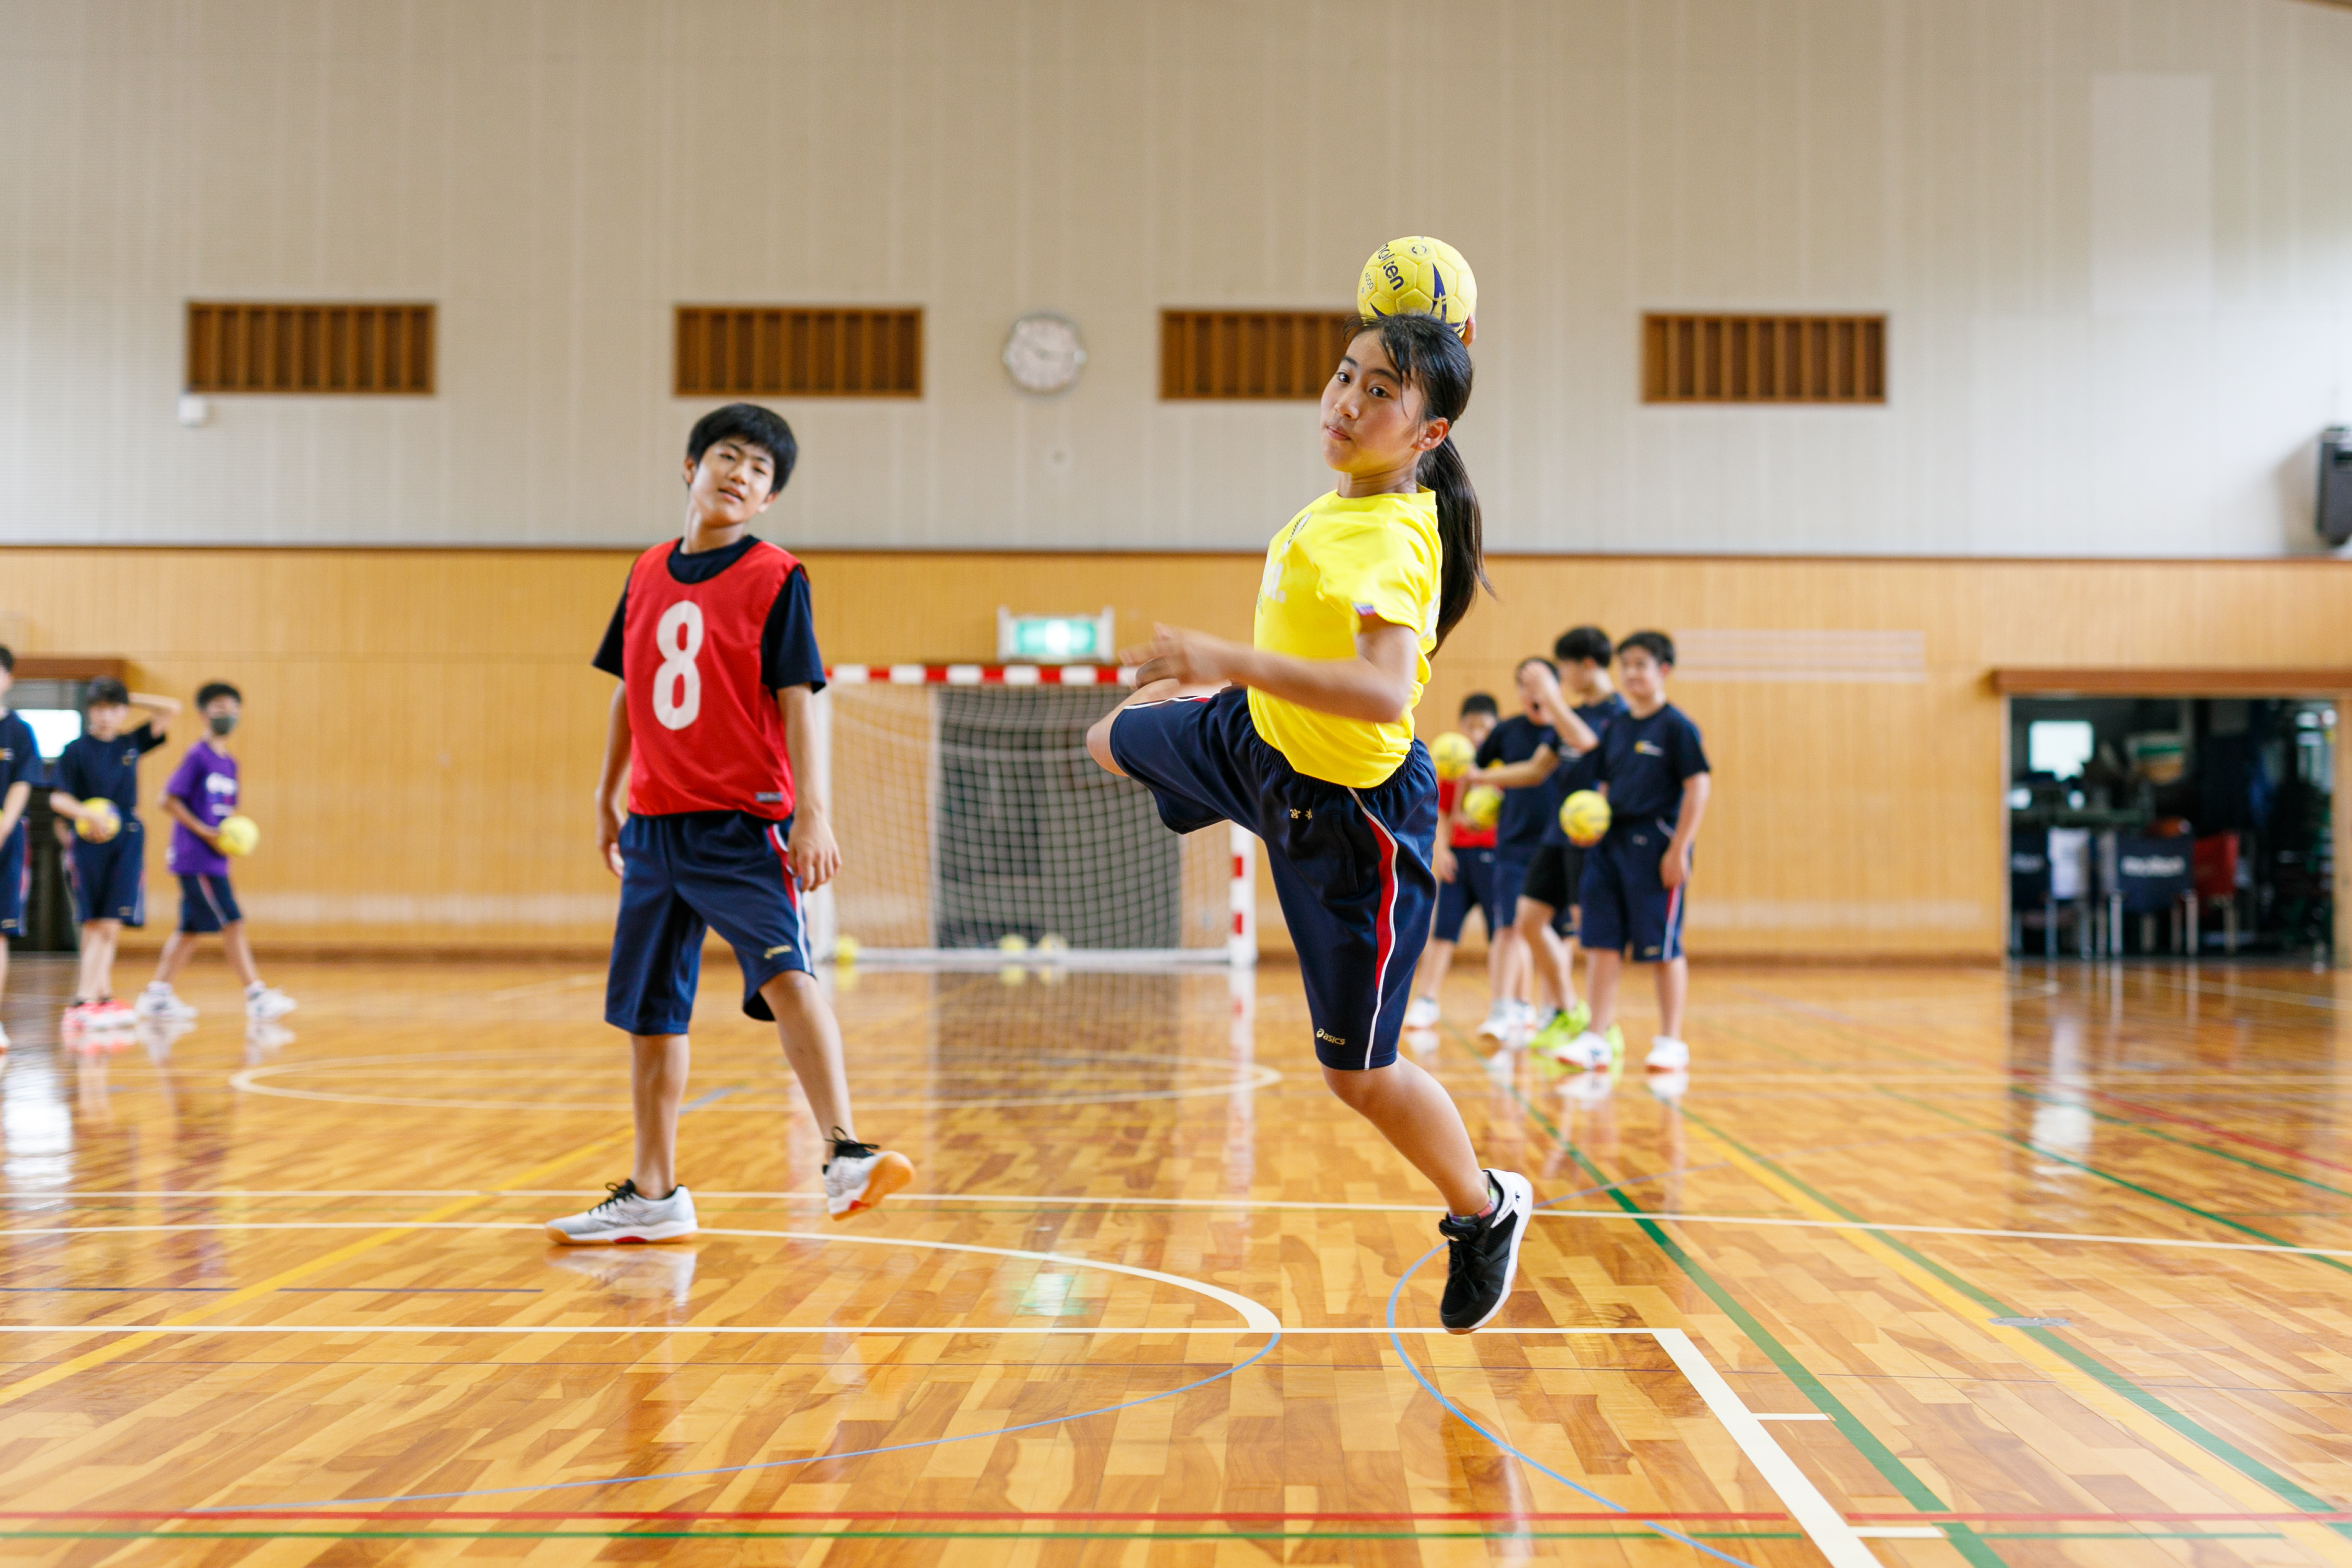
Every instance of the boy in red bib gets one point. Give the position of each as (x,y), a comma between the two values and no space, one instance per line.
(715,651)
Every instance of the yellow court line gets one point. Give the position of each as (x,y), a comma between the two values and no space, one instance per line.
(2322,1542)
(117,1349)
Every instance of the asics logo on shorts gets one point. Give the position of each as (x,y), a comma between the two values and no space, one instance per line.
(773,951)
(1329,1037)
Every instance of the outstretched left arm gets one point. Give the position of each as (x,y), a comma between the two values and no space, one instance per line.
(1375,686)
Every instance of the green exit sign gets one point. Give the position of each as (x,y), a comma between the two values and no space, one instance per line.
(1053,639)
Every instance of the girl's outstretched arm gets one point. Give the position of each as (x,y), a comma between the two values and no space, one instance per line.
(1375,686)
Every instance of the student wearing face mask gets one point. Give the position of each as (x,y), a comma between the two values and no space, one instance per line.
(201,796)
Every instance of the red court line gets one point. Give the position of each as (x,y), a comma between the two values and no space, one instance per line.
(878,1515)
(2248,1140)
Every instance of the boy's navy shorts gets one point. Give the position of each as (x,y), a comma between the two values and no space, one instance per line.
(207,904)
(1625,904)
(724,870)
(110,879)
(1512,863)
(1350,866)
(1472,887)
(15,878)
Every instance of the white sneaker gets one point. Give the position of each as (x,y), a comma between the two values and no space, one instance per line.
(860,1176)
(1499,1021)
(161,1004)
(1421,1012)
(1666,1055)
(267,1004)
(628,1215)
(1589,1051)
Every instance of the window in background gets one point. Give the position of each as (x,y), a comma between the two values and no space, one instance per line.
(2058,747)
(53,729)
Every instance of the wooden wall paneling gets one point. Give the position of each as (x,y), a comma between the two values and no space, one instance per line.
(1249,356)
(1691,358)
(796,351)
(423,725)
(313,349)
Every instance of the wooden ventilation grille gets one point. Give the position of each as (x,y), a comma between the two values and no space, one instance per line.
(1763,358)
(310,348)
(794,350)
(1249,355)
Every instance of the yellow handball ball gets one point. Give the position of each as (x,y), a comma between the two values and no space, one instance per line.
(1584,817)
(239,836)
(1012,941)
(845,949)
(1482,805)
(100,822)
(1417,276)
(1451,754)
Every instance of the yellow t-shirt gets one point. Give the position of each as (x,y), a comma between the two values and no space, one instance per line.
(1372,555)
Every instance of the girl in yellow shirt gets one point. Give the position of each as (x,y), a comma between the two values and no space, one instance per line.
(1305,738)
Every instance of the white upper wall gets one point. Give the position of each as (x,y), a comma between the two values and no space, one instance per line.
(2113,238)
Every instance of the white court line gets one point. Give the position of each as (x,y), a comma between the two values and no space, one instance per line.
(1236,1205)
(1804,1501)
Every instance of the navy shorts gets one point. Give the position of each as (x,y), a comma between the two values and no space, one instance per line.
(723,871)
(1624,902)
(207,904)
(1472,887)
(110,879)
(1350,866)
(1512,863)
(15,878)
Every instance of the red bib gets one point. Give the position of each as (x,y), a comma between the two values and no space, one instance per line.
(704,733)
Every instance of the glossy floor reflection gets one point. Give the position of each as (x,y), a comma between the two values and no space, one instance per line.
(1924,1266)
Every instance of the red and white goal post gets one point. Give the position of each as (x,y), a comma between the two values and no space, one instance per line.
(974,826)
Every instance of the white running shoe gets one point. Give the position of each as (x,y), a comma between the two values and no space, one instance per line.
(160,1004)
(1421,1012)
(266,1005)
(1500,1018)
(860,1176)
(628,1215)
(1588,1050)
(1667,1054)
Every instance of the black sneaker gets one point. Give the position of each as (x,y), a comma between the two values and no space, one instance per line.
(1484,1253)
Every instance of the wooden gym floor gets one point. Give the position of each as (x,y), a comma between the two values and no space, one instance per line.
(1930,1267)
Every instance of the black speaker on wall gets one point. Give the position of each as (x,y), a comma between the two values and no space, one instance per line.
(2336,485)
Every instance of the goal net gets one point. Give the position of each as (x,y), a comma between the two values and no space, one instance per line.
(971,821)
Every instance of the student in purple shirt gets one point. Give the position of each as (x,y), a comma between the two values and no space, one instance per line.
(201,796)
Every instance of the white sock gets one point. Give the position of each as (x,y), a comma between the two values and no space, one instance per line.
(255,989)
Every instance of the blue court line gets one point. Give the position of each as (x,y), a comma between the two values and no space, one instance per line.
(1532,1463)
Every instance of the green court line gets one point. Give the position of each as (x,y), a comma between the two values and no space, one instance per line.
(2146,1192)
(2147,1129)
(1897,1474)
(2220,1448)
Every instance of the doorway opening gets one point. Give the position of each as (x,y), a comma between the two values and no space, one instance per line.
(2165,825)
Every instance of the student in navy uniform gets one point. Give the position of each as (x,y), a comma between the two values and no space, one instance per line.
(107,873)
(1654,771)
(1517,831)
(1548,895)
(710,730)
(20,771)
(1465,863)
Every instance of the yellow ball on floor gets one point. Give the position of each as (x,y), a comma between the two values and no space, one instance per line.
(239,836)
(1584,817)
(100,822)
(1451,754)
(1483,805)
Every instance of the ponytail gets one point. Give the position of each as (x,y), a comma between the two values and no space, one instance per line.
(1428,355)
(1459,530)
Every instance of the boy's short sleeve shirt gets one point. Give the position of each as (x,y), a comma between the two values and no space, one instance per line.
(788,650)
(93,768)
(20,754)
(1515,740)
(1645,763)
(1579,772)
(206,782)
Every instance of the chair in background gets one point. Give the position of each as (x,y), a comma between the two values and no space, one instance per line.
(2216,857)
